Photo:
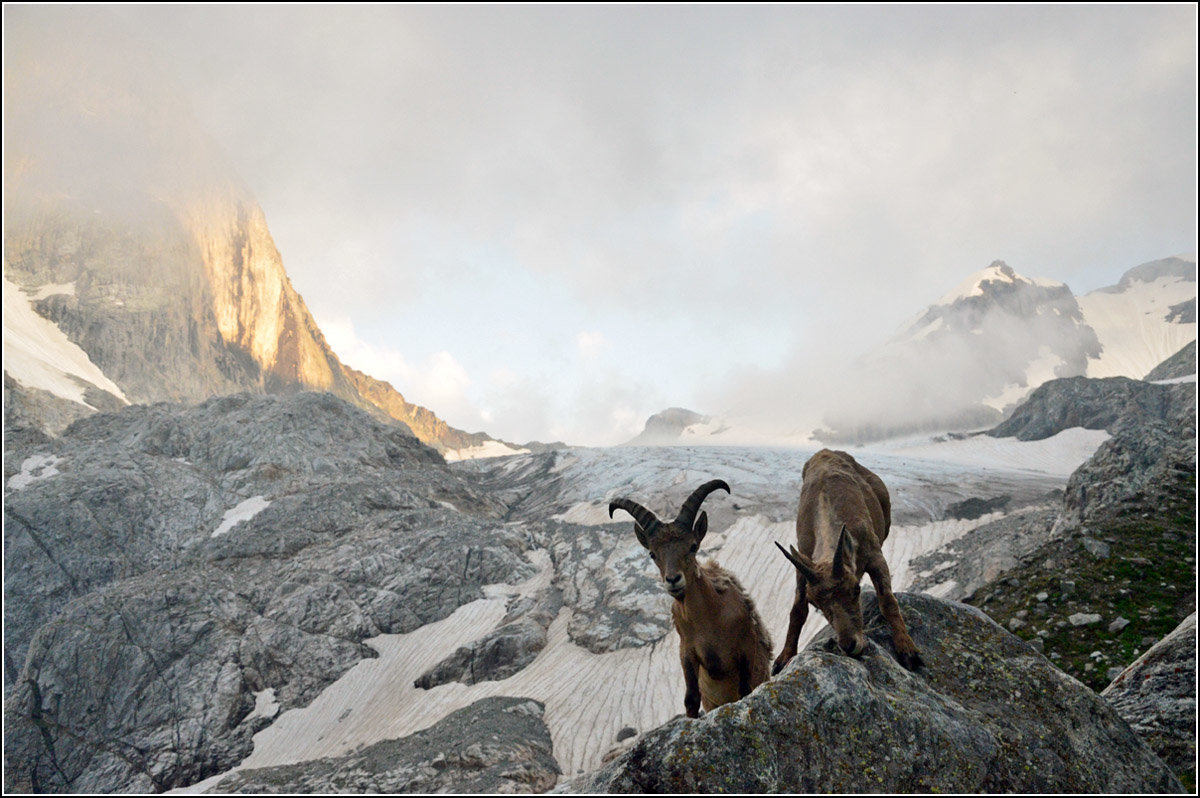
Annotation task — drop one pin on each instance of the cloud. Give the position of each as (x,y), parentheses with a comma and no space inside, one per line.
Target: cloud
(590,343)
(439,382)
(733,195)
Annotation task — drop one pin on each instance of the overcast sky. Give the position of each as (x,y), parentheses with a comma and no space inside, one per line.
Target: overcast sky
(550,222)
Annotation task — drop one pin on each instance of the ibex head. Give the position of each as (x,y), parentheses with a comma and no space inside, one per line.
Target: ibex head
(832,587)
(672,545)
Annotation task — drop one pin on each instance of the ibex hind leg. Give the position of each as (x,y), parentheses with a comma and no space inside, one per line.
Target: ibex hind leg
(906,649)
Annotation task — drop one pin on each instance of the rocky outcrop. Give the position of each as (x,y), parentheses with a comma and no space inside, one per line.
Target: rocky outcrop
(503,651)
(1156,695)
(607,579)
(1180,364)
(987,714)
(1148,466)
(496,745)
(1114,404)
(666,428)
(167,565)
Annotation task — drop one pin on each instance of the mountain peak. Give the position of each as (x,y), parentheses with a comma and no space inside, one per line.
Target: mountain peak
(997,273)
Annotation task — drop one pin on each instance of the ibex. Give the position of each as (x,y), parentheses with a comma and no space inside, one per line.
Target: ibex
(724,646)
(845,515)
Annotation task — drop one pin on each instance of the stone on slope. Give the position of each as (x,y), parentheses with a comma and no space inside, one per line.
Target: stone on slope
(987,714)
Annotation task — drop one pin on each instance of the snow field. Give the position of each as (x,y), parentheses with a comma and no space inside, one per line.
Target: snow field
(38,355)
(1133,329)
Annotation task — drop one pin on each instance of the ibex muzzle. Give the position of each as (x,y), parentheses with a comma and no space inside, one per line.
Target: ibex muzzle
(672,545)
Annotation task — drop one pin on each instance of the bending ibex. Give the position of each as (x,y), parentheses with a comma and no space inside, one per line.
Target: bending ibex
(724,646)
(845,515)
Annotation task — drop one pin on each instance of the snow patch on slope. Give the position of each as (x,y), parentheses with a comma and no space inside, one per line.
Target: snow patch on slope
(38,355)
(1058,455)
(40,466)
(485,449)
(243,512)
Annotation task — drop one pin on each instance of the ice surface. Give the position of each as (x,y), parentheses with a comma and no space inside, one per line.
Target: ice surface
(590,697)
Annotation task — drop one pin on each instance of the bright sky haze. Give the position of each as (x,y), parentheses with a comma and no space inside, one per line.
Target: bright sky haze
(549,222)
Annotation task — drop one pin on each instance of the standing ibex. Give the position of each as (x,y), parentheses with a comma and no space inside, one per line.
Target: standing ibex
(724,646)
(845,515)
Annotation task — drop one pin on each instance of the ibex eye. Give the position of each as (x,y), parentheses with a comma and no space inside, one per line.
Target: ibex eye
(695,548)
(653,557)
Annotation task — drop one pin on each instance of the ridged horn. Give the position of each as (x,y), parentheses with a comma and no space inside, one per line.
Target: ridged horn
(794,559)
(845,548)
(687,513)
(647,520)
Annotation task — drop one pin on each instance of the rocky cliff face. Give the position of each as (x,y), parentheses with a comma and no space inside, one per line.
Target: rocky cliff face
(177,290)
(1115,404)
(968,722)
(169,569)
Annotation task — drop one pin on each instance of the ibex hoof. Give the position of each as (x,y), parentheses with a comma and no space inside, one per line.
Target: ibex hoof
(779,665)
(910,659)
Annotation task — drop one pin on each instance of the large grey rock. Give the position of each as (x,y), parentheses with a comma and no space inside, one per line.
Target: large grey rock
(1180,364)
(496,745)
(1115,404)
(142,618)
(504,651)
(1149,472)
(1156,695)
(987,714)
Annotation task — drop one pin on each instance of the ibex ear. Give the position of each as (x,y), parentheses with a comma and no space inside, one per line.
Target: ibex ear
(700,527)
(642,537)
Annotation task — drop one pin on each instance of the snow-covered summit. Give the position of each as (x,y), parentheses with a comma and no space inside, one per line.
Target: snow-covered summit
(998,272)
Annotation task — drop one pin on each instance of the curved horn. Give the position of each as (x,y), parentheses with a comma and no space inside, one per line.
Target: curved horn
(687,513)
(794,559)
(845,548)
(645,519)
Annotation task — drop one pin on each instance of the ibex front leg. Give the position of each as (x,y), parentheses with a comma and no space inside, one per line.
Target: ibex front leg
(906,649)
(795,623)
(691,678)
